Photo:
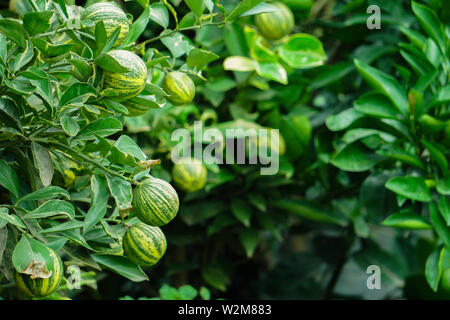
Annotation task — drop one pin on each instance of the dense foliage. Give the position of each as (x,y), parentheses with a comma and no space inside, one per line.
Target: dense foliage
(92,92)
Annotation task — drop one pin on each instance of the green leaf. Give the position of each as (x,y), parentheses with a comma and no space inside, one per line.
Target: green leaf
(187,292)
(200,57)
(215,277)
(205,293)
(331,73)
(128,146)
(197,6)
(443,186)
(109,63)
(37,22)
(11,218)
(120,190)
(239,64)
(376,105)
(436,155)
(46,193)
(169,293)
(444,208)
(24,58)
(9,114)
(160,14)
(43,163)
(410,187)
(69,125)
(250,240)
(242,211)
(343,120)
(302,51)
(99,202)
(407,220)
(433,268)
(354,158)
(52,208)
(29,250)
(403,156)
(430,23)
(178,44)
(8,178)
(439,225)
(309,211)
(387,84)
(14,31)
(271,70)
(69,225)
(138,27)
(122,266)
(100,35)
(241,8)
(102,127)
(77,94)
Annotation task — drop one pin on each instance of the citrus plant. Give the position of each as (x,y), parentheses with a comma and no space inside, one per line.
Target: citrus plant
(70,75)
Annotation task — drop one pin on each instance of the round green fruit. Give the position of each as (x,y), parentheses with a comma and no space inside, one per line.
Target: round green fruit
(180,87)
(131,83)
(41,287)
(112,17)
(144,244)
(276,24)
(155,202)
(189,175)
(135,109)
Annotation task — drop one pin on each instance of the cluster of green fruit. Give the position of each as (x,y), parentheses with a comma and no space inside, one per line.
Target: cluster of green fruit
(155,202)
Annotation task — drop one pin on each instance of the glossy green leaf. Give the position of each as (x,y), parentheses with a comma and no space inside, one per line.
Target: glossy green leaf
(376,105)
(37,22)
(410,187)
(46,193)
(29,250)
(8,178)
(102,127)
(387,84)
(122,266)
(250,240)
(43,162)
(52,208)
(433,268)
(302,51)
(407,220)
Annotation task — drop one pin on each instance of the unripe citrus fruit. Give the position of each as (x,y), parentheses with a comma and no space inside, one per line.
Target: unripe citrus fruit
(144,244)
(112,17)
(130,83)
(276,24)
(189,174)
(180,87)
(155,202)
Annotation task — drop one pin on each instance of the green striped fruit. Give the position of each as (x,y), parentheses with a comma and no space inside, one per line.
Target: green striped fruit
(41,287)
(189,174)
(20,6)
(276,24)
(112,17)
(144,244)
(135,109)
(180,87)
(155,202)
(131,83)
